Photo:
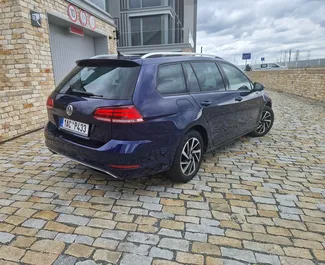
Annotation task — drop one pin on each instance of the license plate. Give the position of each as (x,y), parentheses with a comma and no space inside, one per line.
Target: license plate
(74,126)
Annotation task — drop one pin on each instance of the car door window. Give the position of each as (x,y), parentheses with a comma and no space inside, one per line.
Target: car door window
(193,84)
(170,79)
(237,79)
(208,76)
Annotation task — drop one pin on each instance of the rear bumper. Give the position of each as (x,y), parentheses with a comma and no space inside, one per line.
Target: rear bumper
(88,165)
(152,157)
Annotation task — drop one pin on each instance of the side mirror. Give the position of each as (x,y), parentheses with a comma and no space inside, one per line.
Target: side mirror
(258,87)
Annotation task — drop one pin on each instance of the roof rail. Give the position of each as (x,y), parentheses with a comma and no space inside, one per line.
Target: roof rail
(148,55)
(114,56)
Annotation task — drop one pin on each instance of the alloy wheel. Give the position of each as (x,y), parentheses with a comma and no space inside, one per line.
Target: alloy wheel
(265,122)
(190,156)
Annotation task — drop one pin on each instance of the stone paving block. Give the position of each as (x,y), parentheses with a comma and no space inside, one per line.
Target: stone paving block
(142,238)
(243,255)
(58,227)
(161,253)
(34,223)
(268,259)
(106,243)
(88,231)
(196,237)
(79,251)
(170,233)
(86,240)
(6,237)
(204,229)
(115,234)
(172,243)
(38,258)
(225,241)
(47,215)
(48,246)
(65,260)
(295,261)
(131,259)
(189,258)
(23,242)
(205,248)
(263,247)
(66,238)
(64,209)
(106,255)
(102,223)
(11,253)
(46,234)
(133,248)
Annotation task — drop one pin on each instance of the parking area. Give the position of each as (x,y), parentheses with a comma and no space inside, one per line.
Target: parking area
(257,201)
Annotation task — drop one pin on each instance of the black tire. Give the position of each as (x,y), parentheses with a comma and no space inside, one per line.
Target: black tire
(175,173)
(259,132)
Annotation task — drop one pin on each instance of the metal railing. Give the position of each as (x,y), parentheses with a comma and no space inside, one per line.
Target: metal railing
(155,37)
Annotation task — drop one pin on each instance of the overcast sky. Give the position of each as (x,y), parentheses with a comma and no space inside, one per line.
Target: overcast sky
(229,28)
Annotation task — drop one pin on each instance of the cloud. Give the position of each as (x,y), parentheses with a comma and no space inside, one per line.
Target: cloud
(266,28)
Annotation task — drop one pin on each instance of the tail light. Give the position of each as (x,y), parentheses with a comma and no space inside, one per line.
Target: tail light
(50,103)
(125,114)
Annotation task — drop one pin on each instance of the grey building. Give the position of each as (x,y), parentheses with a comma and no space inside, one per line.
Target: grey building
(155,25)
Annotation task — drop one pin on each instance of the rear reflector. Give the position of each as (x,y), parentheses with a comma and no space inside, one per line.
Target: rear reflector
(50,103)
(125,114)
(125,166)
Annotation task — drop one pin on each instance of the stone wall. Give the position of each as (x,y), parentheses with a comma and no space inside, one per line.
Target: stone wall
(309,83)
(26,71)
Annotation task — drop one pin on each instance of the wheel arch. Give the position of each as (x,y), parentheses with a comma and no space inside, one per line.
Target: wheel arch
(204,134)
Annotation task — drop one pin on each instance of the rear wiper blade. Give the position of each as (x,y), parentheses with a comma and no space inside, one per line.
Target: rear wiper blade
(85,93)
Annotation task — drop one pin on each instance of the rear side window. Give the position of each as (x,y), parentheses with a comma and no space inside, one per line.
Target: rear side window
(170,79)
(110,82)
(208,76)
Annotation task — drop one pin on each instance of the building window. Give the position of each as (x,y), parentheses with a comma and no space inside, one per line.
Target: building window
(136,36)
(147,30)
(152,30)
(100,3)
(135,4)
(149,3)
(144,3)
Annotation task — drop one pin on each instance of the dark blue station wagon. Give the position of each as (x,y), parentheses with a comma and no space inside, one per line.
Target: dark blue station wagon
(135,116)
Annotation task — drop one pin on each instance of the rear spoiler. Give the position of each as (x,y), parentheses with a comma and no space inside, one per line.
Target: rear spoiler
(108,62)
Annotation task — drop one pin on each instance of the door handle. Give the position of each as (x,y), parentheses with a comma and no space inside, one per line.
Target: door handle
(206,103)
(239,99)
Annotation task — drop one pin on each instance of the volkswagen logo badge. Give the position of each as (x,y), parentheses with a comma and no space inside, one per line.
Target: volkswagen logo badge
(69,110)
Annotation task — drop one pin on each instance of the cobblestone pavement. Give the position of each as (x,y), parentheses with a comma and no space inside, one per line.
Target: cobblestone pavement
(258,201)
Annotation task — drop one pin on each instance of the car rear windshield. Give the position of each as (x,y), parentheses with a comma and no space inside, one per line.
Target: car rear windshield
(110,82)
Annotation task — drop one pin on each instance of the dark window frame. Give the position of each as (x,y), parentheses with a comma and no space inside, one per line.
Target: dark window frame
(185,83)
(187,79)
